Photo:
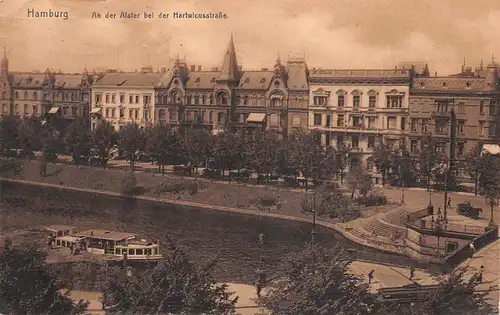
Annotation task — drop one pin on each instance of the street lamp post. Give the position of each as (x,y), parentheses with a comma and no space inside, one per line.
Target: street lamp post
(313,233)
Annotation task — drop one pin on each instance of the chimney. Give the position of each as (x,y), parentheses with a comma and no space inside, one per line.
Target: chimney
(199,68)
(193,68)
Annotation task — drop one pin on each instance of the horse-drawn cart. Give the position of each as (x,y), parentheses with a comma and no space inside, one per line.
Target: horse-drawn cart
(466,209)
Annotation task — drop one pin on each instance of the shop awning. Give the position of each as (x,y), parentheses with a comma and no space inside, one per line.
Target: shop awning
(96,110)
(256,117)
(53,110)
(492,149)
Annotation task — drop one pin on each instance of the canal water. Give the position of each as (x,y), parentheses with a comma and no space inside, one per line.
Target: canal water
(205,233)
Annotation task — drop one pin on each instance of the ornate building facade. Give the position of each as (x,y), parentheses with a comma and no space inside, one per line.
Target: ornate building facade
(47,94)
(121,98)
(359,108)
(228,96)
(469,101)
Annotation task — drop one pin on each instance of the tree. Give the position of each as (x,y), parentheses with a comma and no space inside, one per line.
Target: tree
(29,287)
(175,285)
(131,141)
(307,156)
(323,285)
(403,167)
(489,180)
(382,160)
(164,144)
(103,138)
(358,179)
(9,136)
(30,133)
(472,163)
(454,295)
(197,145)
(265,152)
(342,156)
(229,151)
(328,201)
(77,140)
(428,160)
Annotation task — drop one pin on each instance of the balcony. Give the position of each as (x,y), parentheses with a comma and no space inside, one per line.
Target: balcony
(442,114)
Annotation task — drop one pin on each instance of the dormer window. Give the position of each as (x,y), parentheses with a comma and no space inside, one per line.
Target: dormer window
(197,80)
(422,84)
(263,80)
(247,80)
(444,84)
(277,83)
(212,80)
(468,84)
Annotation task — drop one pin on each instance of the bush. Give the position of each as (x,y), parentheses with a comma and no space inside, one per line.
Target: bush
(129,185)
(192,188)
(169,186)
(14,167)
(372,200)
(267,202)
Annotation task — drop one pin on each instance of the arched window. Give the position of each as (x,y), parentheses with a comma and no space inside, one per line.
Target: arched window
(26,95)
(222,98)
(220,117)
(176,97)
(35,96)
(16,95)
(276,99)
(161,114)
(4,95)
(245,100)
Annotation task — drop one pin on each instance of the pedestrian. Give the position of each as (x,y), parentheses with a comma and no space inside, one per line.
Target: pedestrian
(480,275)
(71,249)
(412,272)
(449,202)
(472,247)
(370,276)
(259,289)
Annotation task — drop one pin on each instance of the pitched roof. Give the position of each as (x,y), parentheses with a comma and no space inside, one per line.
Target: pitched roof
(297,75)
(202,80)
(129,79)
(229,70)
(67,81)
(28,80)
(256,80)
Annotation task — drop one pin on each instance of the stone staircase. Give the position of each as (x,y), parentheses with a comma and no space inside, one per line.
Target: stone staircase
(383,230)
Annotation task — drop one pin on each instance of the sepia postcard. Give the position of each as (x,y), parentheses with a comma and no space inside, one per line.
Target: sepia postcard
(249,157)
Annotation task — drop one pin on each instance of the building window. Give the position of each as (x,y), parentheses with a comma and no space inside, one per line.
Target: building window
(340,100)
(137,99)
(113,113)
(355,141)
(245,100)
(3,95)
(220,117)
(391,122)
(211,99)
(372,101)
(403,123)
(340,140)
(131,99)
(371,142)
(394,101)
(161,114)
(65,110)
(122,98)
(369,164)
(26,95)
(26,109)
(340,121)
(122,113)
(107,98)
(317,120)
(74,111)
(461,108)
(356,121)
(35,109)
(113,98)
(460,148)
(172,115)
(414,146)
(196,100)
(136,114)
(371,122)
(130,115)
(441,126)
(440,147)
(35,96)
(425,125)
(320,100)
(492,129)
(355,100)
(414,124)
(481,107)
(460,127)
(274,119)
(296,120)
(328,120)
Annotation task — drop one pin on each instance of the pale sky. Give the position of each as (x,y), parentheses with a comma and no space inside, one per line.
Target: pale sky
(330,33)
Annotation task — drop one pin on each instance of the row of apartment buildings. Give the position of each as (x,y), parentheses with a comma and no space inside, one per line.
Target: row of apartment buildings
(357,107)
